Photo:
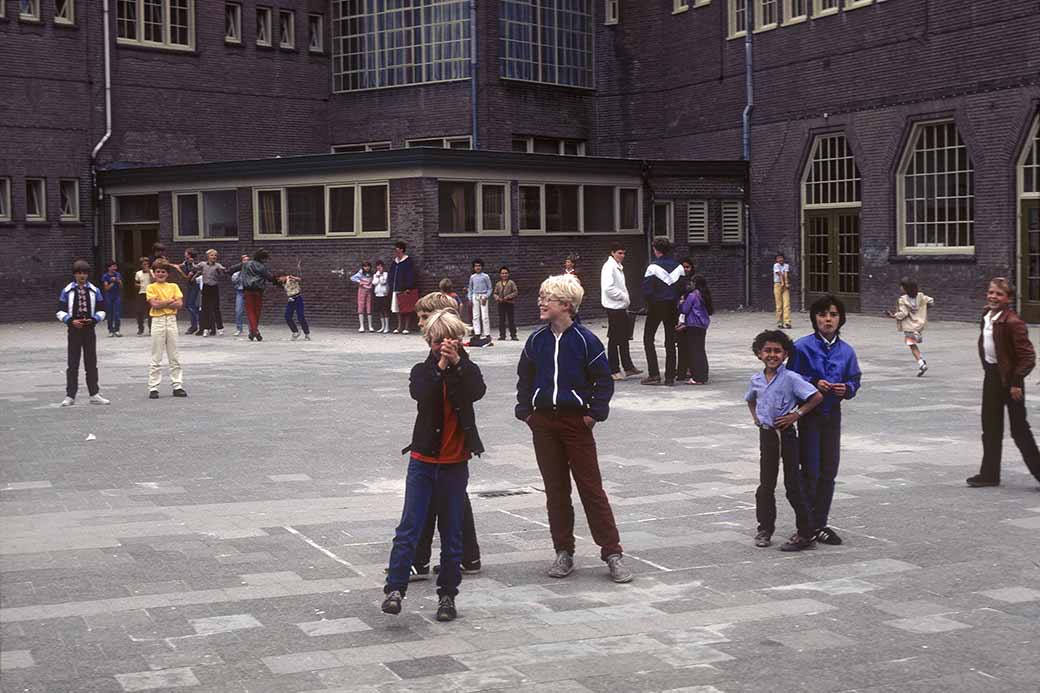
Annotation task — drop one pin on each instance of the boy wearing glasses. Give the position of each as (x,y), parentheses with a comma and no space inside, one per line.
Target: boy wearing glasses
(563,391)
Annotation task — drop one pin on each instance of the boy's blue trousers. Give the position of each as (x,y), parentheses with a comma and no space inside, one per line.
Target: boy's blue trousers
(113,307)
(819,435)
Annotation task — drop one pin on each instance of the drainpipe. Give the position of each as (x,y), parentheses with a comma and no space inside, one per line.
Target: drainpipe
(108,130)
(474,63)
(749,90)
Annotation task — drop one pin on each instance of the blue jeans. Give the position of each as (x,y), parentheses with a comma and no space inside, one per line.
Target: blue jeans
(295,305)
(113,307)
(191,304)
(445,485)
(820,442)
(240,309)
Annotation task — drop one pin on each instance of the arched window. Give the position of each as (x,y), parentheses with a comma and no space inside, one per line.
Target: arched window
(832,177)
(1030,174)
(936,184)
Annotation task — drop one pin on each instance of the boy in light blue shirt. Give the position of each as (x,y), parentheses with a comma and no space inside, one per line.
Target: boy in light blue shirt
(479,291)
(777,398)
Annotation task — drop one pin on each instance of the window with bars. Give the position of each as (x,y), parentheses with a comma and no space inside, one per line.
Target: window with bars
(832,177)
(548,41)
(156,23)
(316,33)
(937,191)
(263,26)
(35,199)
(29,10)
(65,12)
(232,22)
(286,29)
(697,221)
(1031,164)
(300,211)
(5,197)
(822,8)
(796,11)
(737,18)
(767,14)
(468,207)
(732,221)
(388,43)
(68,191)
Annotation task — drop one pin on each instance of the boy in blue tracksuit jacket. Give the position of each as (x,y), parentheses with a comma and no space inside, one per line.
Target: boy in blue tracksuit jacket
(81,306)
(563,390)
(661,291)
(829,363)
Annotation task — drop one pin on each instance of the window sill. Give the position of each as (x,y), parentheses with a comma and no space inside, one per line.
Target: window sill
(478,234)
(795,20)
(561,234)
(312,51)
(826,13)
(264,47)
(944,258)
(137,46)
(233,44)
(329,237)
(681,10)
(287,49)
(200,239)
(856,4)
(66,26)
(738,35)
(768,27)
(30,20)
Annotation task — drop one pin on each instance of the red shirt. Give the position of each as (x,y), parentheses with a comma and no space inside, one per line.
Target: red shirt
(453,441)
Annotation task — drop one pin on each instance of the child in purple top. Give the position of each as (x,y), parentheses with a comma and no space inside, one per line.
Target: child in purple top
(695,310)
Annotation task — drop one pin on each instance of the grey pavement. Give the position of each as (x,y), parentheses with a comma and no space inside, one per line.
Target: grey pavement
(235,540)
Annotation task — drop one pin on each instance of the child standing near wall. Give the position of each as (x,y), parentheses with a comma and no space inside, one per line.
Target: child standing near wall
(112,286)
(81,307)
(782,291)
(363,278)
(294,305)
(911,317)
(380,296)
(142,279)
(505,295)
(479,293)
(240,299)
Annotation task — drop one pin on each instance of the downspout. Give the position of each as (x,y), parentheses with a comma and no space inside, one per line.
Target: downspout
(474,63)
(749,90)
(97,192)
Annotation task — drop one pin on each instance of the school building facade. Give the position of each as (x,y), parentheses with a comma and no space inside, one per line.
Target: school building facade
(886,137)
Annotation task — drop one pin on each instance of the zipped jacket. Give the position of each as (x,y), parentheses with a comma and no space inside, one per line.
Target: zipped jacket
(1015,355)
(67,303)
(693,312)
(613,291)
(426,385)
(255,276)
(661,280)
(815,360)
(567,371)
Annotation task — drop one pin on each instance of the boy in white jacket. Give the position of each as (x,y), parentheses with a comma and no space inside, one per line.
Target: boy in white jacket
(912,316)
(381,297)
(615,300)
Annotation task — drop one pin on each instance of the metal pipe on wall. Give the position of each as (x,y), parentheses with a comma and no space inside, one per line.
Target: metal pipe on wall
(474,62)
(749,106)
(96,197)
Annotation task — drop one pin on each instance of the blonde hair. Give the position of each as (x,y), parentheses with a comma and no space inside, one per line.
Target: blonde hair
(434,301)
(564,288)
(214,251)
(444,324)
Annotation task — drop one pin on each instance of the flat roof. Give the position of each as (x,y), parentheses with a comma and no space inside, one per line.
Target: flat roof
(496,162)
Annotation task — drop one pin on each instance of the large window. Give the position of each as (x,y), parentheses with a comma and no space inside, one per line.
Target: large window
(211,214)
(467,207)
(68,191)
(323,210)
(158,23)
(767,14)
(572,208)
(547,41)
(737,18)
(1030,175)
(937,191)
(5,199)
(389,43)
(35,199)
(832,178)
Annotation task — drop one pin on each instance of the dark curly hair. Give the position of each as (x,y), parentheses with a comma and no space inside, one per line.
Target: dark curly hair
(776,336)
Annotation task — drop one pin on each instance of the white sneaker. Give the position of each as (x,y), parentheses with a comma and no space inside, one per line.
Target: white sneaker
(361,329)
(238,333)
(205,333)
(306,338)
(68,401)
(295,336)
(98,399)
(221,332)
(397,331)
(404,331)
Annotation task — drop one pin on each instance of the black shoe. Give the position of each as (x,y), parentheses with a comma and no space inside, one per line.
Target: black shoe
(259,337)
(799,543)
(514,338)
(828,536)
(192,330)
(392,603)
(471,568)
(153,395)
(179,392)
(446,609)
(978,481)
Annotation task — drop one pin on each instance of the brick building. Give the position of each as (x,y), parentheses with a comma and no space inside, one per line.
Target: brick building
(887,137)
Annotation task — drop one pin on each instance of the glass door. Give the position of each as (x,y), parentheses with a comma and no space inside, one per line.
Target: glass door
(1030,272)
(832,255)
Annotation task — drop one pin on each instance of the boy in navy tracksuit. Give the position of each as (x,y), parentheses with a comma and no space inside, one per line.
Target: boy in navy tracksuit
(112,284)
(661,290)
(81,306)
(564,389)
(829,363)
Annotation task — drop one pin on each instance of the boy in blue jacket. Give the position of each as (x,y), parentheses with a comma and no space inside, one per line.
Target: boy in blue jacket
(830,364)
(564,389)
(661,285)
(81,307)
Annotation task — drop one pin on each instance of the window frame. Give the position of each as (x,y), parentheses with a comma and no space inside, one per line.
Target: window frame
(69,18)
(1030,151)
(42,199)
(562,143)
(580,231)
(358,185)
(856,4)
(446,142)
(790,17)
(807,174)
(33,16)
(319,33)
(760,6)
(528,56)
(680,6)
(732,32)
(74,216)
(166,44)
(198,194)
(5,198)
(669,205)
(820,11)
(289,45)
(478,192)
(268,17)
(611,12)
(905,158)
(701,3)
(235,40)
(376,146)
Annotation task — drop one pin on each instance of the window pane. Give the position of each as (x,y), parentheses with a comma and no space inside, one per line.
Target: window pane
(546,146)
(457,207)
(833,174)
(188,215)
(520,144)
(34,198)
(233,22)
(375,217)
(5,198)
(599,208)
(286,30)
(315,37)
(429,144)
(263,27)
(546,41)
(220,210)
(530,207)
(137,208)
(126,19)
(269,212)
(561,208)
(341,210)
(306,211)
(662,219)
(493,201)
(629,200)
(348,148)
(69,191)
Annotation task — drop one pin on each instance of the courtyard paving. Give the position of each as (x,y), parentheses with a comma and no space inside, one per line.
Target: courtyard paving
(235,540)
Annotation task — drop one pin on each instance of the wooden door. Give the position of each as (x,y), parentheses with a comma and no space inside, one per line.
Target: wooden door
(832,255)
(1030,271)
(133,241)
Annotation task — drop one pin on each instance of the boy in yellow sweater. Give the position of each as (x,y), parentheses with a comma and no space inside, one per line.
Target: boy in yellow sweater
(164,300)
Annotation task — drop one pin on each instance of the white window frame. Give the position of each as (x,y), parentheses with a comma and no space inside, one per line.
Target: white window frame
(611,12)
(478,191)
(42,216)
(732,222)
(380,146)
(731,18)
(235,38)
(283,43)
(198,194)
(74,199)
(820,11)
(560,146)
(311,33)
(5,198)
(266,16)
(680,6)
(580,231)
(856,4)
(165,43)
(697,216)
(1031,150)
(522,50)
(69,17)
(358,185)
(3,9)
(904,162)
(760,6)
(33,15)
(446,142)
(807,175)
(701,3)
(669,217)
(790,17)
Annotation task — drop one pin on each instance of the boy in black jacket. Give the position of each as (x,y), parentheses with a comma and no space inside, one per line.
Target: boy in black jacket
(444,386)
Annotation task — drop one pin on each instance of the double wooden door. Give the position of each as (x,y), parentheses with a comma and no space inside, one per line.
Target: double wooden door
(832,255)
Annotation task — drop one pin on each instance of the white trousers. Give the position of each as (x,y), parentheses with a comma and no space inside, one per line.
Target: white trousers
(164,342)
(481,319)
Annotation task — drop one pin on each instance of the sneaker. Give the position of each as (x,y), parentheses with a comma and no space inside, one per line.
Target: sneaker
(98,399)
(205,333)
(922,368)
(68,401)
(252,336)
(118,334)
(221,332)
(562,566)
(650,380)
(633,371)
(446,609)
(295,336)
(153,394)
(619,572)
(763,539)
(415,573)
(191,330)
(111,334)
(179,392)
(471,568)
(979,481)
(618,376)
(404,331)
(798,543)
(306,338)
(238,333)
(259,337)
(397,331)
(828,536)
(392,603)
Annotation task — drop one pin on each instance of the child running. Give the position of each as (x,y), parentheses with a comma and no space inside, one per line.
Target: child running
(165,299)
(777,398)
(563,390)
(81,307)
(363,278)
(112,286)
(444,437)
(911,316)
(829,363)
(380,296)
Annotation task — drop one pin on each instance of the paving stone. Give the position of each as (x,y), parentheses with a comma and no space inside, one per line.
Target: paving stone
(425,666)
(223,624)
(1013,595)
(16,659)
(334,626)
(810,640)
(302,661)
(927,624)
(350,677)
(149,680)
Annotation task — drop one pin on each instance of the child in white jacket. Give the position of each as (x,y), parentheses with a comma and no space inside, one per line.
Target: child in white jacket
(912,315)
(381,296)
